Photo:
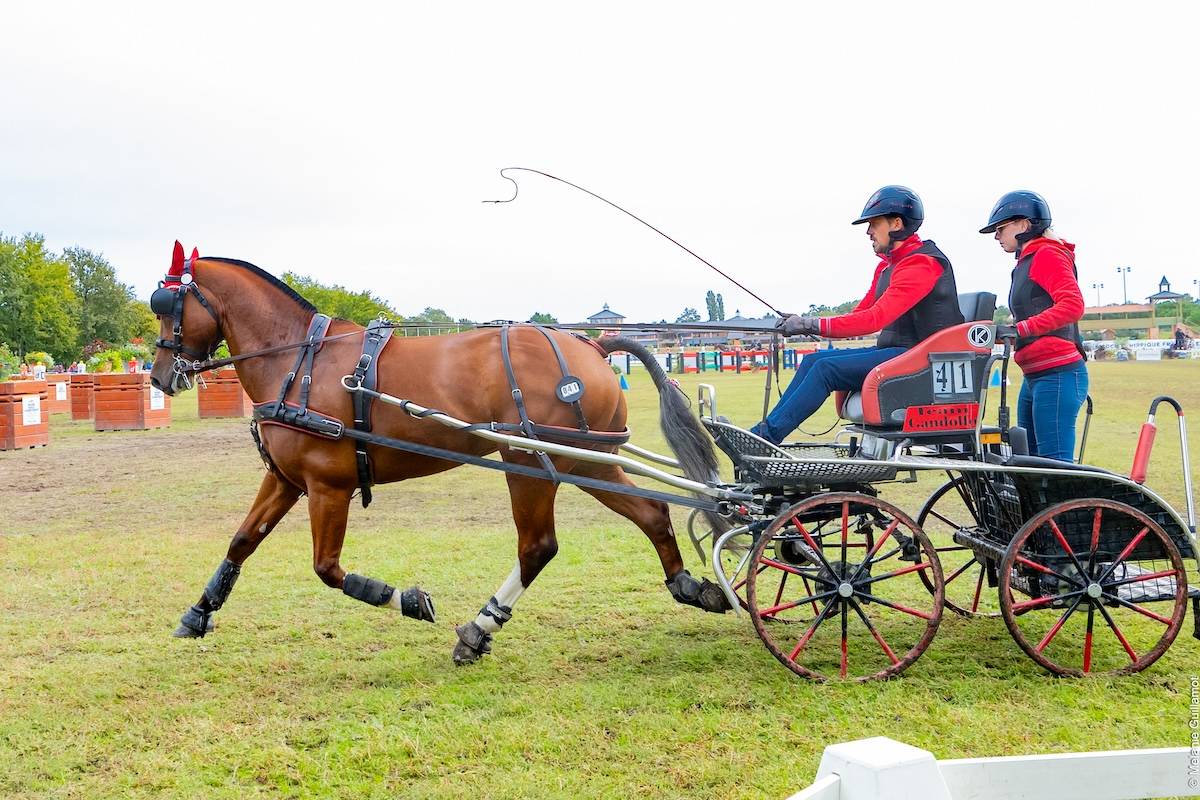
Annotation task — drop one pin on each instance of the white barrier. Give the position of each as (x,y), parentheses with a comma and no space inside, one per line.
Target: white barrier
(884,769)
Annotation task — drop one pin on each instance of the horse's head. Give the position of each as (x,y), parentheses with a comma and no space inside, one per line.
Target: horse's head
(189,327)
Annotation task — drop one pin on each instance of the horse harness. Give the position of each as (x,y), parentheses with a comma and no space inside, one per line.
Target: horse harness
(298,416)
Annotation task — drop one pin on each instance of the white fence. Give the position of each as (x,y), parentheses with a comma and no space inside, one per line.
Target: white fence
(884,769)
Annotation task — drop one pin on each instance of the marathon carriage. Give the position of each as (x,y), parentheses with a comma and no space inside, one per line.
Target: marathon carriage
(1087,567)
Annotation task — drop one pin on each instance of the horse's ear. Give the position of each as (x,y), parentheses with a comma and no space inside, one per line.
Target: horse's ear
(195,253)
(177,260)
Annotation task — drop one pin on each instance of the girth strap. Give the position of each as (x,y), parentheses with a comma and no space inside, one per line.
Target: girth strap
(366,373)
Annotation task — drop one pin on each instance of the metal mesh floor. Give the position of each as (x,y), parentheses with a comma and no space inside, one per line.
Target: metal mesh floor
(801,463)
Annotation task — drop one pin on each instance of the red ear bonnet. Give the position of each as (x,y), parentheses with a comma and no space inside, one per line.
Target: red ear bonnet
(176,269)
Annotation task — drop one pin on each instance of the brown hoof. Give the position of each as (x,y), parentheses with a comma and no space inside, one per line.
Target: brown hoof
(473,644)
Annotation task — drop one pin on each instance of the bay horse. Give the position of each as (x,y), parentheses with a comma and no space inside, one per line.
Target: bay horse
(206,300)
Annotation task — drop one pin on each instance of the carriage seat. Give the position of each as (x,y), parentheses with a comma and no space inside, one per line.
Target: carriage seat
(933,386)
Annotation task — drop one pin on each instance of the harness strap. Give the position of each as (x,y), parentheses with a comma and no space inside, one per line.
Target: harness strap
(366,374)
(562,366)
(316,330)
(519,400)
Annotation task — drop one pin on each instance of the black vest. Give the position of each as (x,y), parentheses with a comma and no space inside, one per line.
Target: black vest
(1027,299)
(934,312)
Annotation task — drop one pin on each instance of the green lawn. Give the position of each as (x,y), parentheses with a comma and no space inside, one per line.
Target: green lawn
(601,686)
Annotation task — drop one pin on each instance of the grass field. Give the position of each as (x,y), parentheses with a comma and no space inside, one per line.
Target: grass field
(601,686)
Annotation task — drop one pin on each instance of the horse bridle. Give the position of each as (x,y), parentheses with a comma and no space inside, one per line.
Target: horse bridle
(167,301)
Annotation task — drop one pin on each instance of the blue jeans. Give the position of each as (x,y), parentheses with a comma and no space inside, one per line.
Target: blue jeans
(1047,408)
(819,375)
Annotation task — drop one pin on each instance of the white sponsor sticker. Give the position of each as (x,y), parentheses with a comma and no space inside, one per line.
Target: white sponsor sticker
(60,391)
(31,410)
(158,400)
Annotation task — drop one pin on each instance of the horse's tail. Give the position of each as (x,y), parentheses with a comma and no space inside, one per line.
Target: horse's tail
(690,442)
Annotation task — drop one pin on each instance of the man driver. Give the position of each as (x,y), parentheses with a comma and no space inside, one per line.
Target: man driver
(912,296)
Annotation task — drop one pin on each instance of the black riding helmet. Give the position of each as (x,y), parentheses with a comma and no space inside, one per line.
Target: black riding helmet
(1020,204)
(899,201)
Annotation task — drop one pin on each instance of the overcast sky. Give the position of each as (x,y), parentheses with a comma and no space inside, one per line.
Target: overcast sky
(354,143)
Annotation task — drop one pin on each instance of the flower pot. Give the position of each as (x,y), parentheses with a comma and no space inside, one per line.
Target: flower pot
(58,393)
(24,420)
(82,403)
(221,395)
(127,402)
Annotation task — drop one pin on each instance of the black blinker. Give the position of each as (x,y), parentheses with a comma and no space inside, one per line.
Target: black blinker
(162,302)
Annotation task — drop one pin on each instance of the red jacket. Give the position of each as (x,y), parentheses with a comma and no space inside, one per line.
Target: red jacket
(913,277)
(1053,269)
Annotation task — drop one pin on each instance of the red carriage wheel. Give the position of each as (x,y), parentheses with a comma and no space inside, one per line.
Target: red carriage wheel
(1091,587)
(834,592)
(970,590)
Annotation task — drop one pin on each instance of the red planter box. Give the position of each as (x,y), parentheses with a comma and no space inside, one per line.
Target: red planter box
(58,393)
(221,395)
(24,420)
(126,402)
(82,403)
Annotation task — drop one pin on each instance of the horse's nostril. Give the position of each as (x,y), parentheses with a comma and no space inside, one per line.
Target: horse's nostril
(154,382)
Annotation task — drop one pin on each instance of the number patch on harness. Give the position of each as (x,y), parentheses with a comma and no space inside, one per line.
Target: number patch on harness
(569,389)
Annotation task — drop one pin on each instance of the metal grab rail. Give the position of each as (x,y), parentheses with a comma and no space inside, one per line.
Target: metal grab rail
(1183,450)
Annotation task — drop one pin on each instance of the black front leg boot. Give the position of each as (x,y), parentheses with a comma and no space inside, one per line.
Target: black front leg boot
(702,593)
(197,620)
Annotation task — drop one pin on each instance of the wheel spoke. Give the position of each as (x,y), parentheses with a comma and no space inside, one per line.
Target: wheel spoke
(1087,639)
(978,589)
(1021,608)
(961,569)
(845,539)
(845,650)
(809,592)
(1117,631)
(946,520)
(1058,534)
(878,637)
(742,582)
(1042,568)
(1045,642)
(870,559)
(770,562)
(1135,607)
(782,582)
(773,610)
(896,606)
(1095,546)
(896,573)
(808,634)
(1124,553)
(815,547)
(1147,576)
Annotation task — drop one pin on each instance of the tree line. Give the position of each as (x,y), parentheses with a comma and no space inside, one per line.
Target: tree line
(71,305)
(65,303)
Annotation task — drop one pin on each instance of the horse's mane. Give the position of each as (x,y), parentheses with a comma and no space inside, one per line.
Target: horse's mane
(269,278)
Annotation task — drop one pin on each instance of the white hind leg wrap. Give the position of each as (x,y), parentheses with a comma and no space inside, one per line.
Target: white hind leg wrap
(499,609)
